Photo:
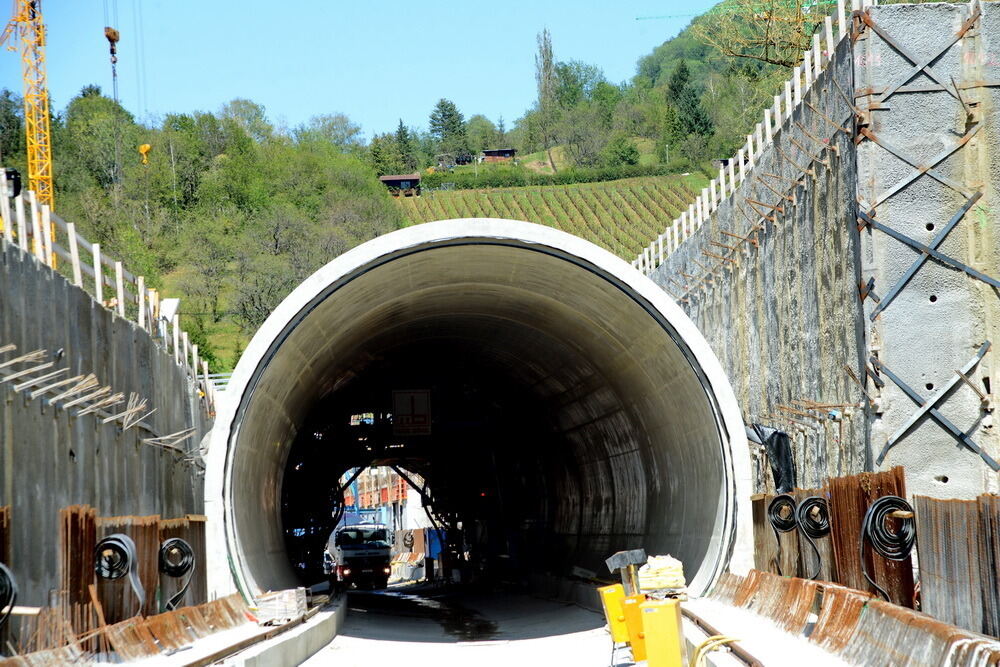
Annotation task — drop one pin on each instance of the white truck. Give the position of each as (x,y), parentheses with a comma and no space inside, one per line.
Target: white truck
(360,555)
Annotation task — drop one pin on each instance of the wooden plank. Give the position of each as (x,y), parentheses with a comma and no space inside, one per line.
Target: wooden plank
(48,234)
(22,229)
(36,227)
(8,222)
(177,338)
(120,289)
(140,288)
(74,254)
(98,275)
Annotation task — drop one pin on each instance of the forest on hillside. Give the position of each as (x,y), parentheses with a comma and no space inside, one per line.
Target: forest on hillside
(231,212)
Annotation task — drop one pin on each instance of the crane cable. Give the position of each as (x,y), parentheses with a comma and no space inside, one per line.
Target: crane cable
(177,560)
(890,544)
(8,593)
(114,557)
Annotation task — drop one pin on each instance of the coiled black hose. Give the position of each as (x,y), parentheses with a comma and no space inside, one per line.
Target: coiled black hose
(781,515)
(890,544)
(114,557)
(177,560)
(813,519)
(8,593)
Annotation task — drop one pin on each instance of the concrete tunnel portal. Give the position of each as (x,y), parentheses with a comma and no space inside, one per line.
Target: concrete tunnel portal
(576,410)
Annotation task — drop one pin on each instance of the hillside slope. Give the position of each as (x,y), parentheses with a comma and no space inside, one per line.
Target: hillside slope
(620,216)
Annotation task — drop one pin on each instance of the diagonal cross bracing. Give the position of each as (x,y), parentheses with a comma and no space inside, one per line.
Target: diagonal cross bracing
(919,262)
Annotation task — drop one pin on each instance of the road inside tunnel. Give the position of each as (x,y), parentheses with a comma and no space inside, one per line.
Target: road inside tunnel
(574,409)
(413,624)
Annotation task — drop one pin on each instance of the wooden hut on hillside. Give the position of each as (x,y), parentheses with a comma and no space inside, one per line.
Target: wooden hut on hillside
(406,185)
(499,154)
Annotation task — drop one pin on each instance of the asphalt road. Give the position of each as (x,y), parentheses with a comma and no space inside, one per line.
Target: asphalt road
(460,627)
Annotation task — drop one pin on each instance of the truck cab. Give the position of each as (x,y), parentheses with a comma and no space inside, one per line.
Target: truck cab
(360,555)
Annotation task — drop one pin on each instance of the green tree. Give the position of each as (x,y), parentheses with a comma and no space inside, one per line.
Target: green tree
(250,116)
(575,82)
(447,125)
(405,143)
(582,135)
(482,133)
(12,141)
(678,81)
(774,33)
(335,129)
(545,78)
(620,150)
(607,97)
(385,155)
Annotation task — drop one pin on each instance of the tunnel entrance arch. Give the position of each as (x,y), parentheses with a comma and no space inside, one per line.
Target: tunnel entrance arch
(642,442)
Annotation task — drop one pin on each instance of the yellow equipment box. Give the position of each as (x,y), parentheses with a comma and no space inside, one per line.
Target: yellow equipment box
(611,600)
(663,636)
(633,622)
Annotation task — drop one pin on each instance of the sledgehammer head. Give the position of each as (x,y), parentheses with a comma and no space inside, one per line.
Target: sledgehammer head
(622,559)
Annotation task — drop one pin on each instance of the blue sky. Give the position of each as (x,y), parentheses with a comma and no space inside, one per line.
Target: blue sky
(376,62)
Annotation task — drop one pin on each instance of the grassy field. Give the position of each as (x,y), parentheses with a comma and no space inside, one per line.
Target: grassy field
(620,216)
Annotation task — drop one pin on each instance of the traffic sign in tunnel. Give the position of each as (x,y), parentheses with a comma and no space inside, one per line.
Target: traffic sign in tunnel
(574,408)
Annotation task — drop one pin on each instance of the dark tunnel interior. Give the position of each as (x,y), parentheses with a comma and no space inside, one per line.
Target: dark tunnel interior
(488,461)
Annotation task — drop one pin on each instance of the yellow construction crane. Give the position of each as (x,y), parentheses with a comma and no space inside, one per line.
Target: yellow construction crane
(27,26)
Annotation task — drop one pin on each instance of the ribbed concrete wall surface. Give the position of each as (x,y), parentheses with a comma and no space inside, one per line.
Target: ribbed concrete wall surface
(50,458)
(783,313)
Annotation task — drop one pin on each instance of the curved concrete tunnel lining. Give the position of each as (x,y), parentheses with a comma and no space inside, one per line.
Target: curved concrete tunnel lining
(524,271)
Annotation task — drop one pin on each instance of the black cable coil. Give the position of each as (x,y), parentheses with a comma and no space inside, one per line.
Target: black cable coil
(8,593)
(177,560)
(890,544)
(176,557)
(781,522)
(813,519)
(114,557)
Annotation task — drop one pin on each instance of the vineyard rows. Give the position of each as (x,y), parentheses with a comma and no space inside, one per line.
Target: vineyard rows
(620,216)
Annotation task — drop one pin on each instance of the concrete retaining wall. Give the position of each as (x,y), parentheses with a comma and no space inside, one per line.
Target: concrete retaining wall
(50,458)
(942,316)
(787,313)
(783,315)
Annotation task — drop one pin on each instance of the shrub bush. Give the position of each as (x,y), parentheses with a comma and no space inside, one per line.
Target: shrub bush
(513,177)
